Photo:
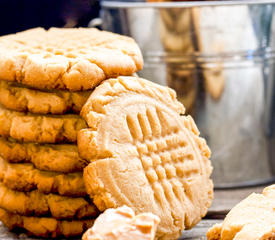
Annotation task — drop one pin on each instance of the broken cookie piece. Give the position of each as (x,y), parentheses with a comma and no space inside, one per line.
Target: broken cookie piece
(253,219)
(122,224)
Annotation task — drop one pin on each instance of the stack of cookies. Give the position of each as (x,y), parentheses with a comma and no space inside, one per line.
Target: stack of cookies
(46,78)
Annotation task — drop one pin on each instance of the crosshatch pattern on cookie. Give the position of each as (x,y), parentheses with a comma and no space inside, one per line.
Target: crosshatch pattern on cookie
(158,149)
(167,153)
(74,59)
(166,157)
(115,88)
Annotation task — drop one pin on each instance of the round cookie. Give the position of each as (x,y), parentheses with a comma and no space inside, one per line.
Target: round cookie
(24,177)
(40,128)
(253,218)
(45,227)
(37,204)
(48,157)
(144,154)
(19,98)
(74,59)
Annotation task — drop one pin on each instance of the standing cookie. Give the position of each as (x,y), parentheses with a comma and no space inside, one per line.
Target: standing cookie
(145,154)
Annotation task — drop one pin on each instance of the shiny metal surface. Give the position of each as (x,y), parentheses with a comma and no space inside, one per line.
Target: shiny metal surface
(179,4)
(219,56)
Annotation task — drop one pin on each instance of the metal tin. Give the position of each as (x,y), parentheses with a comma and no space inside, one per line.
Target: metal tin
(219,56)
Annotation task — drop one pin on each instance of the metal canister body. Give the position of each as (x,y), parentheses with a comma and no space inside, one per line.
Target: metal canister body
(220,60)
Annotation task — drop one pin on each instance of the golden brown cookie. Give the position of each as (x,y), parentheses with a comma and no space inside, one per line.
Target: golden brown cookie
(40,128)
(24,177)
(253,218)
(19,98)
(48,157)
(74,59)
(144,154)
(36,204)
(45,227)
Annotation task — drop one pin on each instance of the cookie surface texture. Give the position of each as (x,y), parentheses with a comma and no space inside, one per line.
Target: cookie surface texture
(74,59)
(144,154)
(35,203)
(45,227)
(40,128)
(48,157)
(253,218)
(25,177)
(19,98)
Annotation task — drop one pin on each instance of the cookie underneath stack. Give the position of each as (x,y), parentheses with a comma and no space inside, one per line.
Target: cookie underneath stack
(45,79)
(40,170)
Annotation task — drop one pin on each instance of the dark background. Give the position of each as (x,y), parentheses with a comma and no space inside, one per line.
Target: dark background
(18,15)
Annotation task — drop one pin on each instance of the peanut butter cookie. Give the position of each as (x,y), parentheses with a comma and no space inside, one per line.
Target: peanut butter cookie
(36,204)
(45,227)
(145,154)
(19,98)
(74,59)
(48,157)
(40,128)
(24,177)
(253,218)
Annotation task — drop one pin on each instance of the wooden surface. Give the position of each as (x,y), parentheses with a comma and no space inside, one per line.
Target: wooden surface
(224,200)
(198,232)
